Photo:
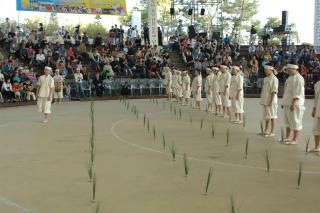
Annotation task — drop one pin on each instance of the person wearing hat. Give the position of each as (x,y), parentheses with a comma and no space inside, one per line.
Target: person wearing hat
(168,80)
(293,104)
(78,78)
(58,87)
(208,88)
(216,91)
(45,87)
(186,81)
(269,101)
(178,87)
(196,89)
(174,83)
(316,116)
(236,94)
(225,90)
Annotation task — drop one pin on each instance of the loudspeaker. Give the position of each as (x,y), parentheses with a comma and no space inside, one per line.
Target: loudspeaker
(190,12)
(192,32)
(172,11)
(284,18)
(202,11)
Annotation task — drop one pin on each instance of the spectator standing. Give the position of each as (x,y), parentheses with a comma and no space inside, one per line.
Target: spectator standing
(58,87)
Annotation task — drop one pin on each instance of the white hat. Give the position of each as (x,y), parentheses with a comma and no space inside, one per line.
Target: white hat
(178,72)
(215,68)
(223,67)
(208,70)
(48,68)
(268,67)
(236,68)
(292,66)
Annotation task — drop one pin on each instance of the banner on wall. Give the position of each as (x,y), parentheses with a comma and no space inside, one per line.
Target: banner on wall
(153,22)
(95,7)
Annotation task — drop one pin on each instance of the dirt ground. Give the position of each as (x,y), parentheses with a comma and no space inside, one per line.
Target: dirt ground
(44,166)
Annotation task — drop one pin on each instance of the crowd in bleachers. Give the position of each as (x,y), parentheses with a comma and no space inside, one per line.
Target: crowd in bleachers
(24,54)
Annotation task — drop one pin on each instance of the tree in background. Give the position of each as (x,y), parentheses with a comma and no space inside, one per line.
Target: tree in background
(93,29)
(31,23)
(238,15)
(53,24)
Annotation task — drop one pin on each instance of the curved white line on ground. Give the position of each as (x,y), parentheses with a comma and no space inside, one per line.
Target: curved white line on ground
(14,205)
(116,135)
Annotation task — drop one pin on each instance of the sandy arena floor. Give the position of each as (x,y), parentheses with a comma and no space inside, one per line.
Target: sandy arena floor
(44,166)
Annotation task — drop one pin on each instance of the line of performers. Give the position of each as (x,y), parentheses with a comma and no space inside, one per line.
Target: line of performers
(224,89)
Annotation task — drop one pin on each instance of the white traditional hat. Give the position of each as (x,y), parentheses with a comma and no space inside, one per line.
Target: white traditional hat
(48,68)
(236,68)
(184,72)
(223,67)
(268,67)
(208,70)
(215,68)
(292,66)
(178,72)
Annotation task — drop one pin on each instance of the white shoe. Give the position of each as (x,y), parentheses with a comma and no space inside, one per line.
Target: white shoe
(291,143)
(45,121)
(285,140)
(314,150)
(269,135)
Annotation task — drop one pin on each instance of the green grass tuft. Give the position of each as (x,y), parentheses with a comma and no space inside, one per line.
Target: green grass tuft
(173,152)
(244,121)
(90,169)
(212,131)
(201,124)
(307,145)
(282,134)
(148,125)
(154,133)
(186,165)
(261,127)
(232,204)
(228,137)
(180,113)
(300,175)
(94,185)
(163,141)
(98,208)
(267,158)
(144,119)
(208,181)
(247,148)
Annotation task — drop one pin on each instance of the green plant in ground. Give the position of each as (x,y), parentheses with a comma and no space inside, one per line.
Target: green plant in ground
(232,204)
(94,185)
(307,145)
(180,113)
(90,169)
(148,125)
(300,175)
(186,164)
(163,141)
(208,181)
(98,208)
(247,148)
(201,124)
(228,137)
(282,134)
(267,158)
(244,121)
(154,133)
(144,119)
(173,152)
(261,127)
(212,131)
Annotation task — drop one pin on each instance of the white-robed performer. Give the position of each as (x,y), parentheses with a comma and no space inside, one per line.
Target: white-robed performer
(216,95)
(208,88)
(179,87)
(293,104)
(225,90)
(316,117)
(269,101)
(174,83)
(186,82)
(168,80)
(45,86)
(236,95)
(196,89)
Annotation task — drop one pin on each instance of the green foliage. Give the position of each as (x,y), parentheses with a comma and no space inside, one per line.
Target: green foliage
(94,28)
(208,180)
(53,24)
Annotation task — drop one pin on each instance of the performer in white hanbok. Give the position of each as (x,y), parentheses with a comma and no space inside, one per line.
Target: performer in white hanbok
(269,101)
(45,86)
(174,83)
(316,116)
(225,90)
(236,95)
(196,89)
(208,88)
(186,82)
(293,104)
(216,96)
(168,80)
(179,86)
